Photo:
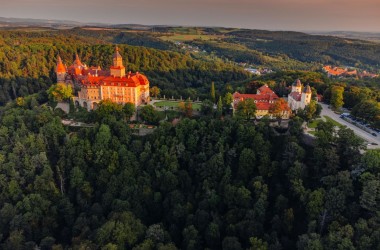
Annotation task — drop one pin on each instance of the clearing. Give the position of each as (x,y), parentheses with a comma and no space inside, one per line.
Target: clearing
(170,104)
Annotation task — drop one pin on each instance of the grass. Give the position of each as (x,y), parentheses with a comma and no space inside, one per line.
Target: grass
(333,121)
(167,104)
(196,106)
(313,124)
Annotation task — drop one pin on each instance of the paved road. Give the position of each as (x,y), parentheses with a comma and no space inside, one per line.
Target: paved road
(359,132)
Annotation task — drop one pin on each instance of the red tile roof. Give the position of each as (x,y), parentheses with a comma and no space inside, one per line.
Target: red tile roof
(263,105)
(131,80)
(262,100)
(95,76)
(336,71)
(296,96)
(60,67)
(265,90)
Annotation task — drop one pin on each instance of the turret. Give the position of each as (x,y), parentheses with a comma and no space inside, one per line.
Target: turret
(297,86)
(60,71)
(117,58)
(117,69)
(77,61)
(306,96)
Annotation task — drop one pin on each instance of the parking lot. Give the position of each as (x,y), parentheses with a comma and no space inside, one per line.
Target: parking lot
(371,136)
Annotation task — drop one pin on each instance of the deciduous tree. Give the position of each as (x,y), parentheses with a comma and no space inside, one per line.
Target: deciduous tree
(155,91)
(246,108)
(129,110)
(60,92)
(336,100)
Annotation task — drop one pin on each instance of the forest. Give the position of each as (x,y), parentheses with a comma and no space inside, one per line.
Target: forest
(205,182)
(284,50)
(202,183)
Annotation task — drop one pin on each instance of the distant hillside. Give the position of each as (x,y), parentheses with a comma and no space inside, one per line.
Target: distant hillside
(367,36)
(311,48)
(278,50)
(30,22)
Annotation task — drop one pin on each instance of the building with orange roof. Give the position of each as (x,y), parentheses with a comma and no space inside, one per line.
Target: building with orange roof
(339,72)
(264,99)
(299,96)
(95,84)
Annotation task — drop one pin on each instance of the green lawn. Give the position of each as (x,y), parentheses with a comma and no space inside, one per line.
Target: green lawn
(196,106)
(166,103)
(333,121)
(313,124)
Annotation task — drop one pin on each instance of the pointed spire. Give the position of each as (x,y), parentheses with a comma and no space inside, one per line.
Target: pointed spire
(60,67)
(59,61)
(117,58)
(297,83)
(117,54)
(77,61)
(307,89)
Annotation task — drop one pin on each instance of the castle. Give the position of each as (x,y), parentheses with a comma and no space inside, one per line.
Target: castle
(299,96)
(264,99)
(95,84)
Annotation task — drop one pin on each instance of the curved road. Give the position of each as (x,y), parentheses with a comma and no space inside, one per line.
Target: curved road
(358,131)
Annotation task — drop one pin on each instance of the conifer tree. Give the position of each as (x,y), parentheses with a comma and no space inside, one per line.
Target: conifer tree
(212,92)
(220,105)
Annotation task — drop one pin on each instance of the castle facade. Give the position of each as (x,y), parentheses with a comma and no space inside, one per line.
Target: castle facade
(300,96)
(264,99)
(95,85)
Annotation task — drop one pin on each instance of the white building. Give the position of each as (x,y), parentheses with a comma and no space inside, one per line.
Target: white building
(253,71)
(300,96)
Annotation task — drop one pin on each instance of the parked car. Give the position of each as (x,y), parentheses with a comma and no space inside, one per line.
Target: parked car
(374,134)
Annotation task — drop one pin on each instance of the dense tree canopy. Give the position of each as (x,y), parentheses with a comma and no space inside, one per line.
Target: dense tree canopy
(205,183)
(202,183)
(28,60)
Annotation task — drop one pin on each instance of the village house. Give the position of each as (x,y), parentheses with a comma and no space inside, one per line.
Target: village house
(339,72)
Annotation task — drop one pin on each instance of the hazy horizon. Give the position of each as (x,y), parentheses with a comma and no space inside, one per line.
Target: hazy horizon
(297,15)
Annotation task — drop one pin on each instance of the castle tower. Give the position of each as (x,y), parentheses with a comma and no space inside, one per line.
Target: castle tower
(306,96)
(77,61)
(117,69)
(60,71)
(117,59)
(297,86)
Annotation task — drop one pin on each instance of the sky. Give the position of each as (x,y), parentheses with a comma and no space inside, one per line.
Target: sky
(303,15)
